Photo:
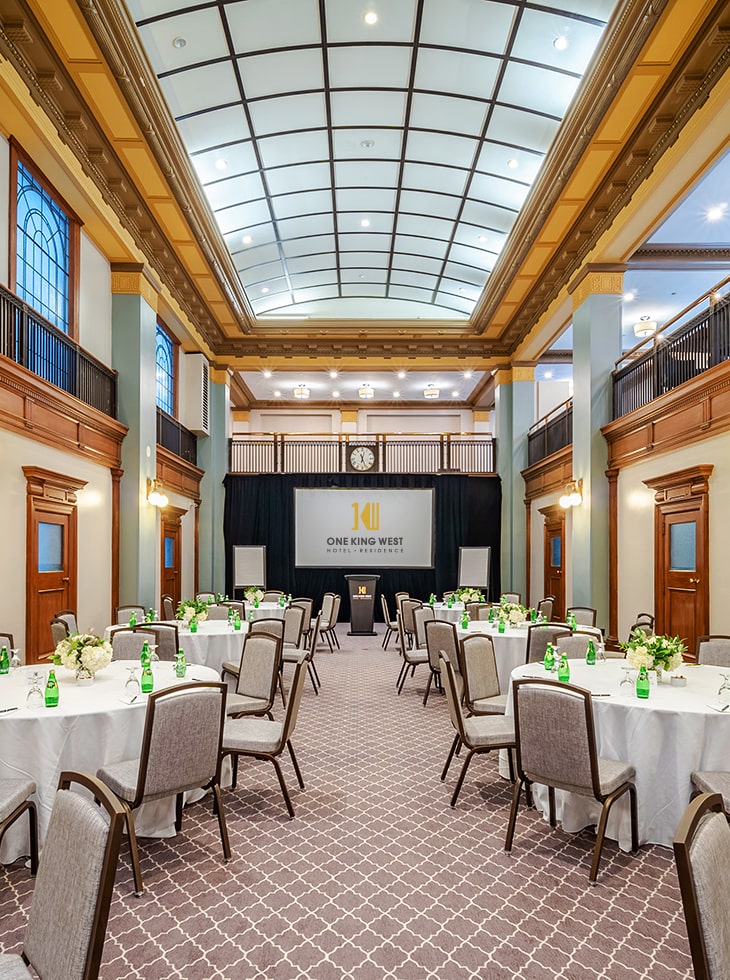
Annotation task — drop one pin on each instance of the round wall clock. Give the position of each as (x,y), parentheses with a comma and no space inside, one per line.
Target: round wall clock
(361,458)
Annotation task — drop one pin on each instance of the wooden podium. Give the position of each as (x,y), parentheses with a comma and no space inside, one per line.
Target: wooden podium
(362,604)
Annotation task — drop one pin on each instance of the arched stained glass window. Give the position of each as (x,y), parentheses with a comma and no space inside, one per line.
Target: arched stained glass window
(165,364)
(43,251)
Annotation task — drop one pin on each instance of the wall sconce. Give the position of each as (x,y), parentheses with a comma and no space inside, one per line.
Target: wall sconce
(155,494)
(573,496)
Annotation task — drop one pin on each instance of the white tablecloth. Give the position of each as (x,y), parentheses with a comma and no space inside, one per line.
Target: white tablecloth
(214,643)
(266,610)
(666,738)
(510,648)
(453,614)
(90,727)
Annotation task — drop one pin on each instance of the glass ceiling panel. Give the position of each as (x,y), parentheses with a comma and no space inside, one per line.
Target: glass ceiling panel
(427,181)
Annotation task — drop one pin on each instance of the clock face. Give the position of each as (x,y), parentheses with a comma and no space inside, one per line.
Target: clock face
(362,458)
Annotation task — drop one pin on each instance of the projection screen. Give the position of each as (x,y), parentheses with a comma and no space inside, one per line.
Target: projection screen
(364,528)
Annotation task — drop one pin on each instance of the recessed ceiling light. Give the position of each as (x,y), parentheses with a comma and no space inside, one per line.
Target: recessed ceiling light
(365,223)
(629,297)
(363,276)
(370,17)
(396,394)
(267,373)
(717,212)
(548,375)
(367,144)
(467,374)
(277,394)
(454,394)
(401,374)
(333,373)
(247,239)
(513,164)
(221,164)
(335,394)
(179,42)
(481,238)
(560,43)
(264,289)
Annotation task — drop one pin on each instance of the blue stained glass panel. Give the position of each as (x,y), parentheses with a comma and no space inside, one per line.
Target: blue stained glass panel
(164,361)
(169,552)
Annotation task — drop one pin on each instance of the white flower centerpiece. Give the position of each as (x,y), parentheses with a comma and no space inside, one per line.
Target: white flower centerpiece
(192,611)
(468,595)
(511,613)
(657,653)
(84,654)
(253,595)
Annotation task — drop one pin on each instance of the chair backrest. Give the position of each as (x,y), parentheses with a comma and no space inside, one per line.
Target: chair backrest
(555,735)
(538,637)
(69,617)
(67,926)
(307,605)
(59,631)
(386,612)
(402,639)
(334,616)
(122,614)
(218,610)
(168,607)
(512,596)
(478,667)
(259,670)
(6,640)
(421,616)
(575,645)
(453,700)
(645,627)
(326,611)
(314,635)
(441,637)
(714,649)
(398,599)
(584,615)
(645,617)
(167,638)
(407,608)
(293,625)
(478,610)
(273,626)
(127,641)
(205,596)
(182,739)
(272,595)
(545,607)
(702,853)
(238,606)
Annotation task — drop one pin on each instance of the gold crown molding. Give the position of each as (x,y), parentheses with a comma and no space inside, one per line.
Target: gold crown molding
(134,279)
(433,349)
(687,86)
(32,56)
(289,405)
(681,257)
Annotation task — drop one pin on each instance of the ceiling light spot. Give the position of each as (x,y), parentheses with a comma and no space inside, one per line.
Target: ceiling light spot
(247,239)
(264,289)
(221,164)
(454,394)
(401,374)
(365,223)
(481,238)
(548,375)
(277,394)
(367,144)
(179,42)
(267,373)
(370,17)
(560,43)
(716,213)
(335,394)
(396,394)
(333,373)
(629,297)
(467,374)
(363,276)
(513,164)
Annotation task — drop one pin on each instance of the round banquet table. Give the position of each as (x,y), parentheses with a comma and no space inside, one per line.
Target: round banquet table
(510,647)
(214,643)
(91,726)
(675,732)
(265,610)
(452,614)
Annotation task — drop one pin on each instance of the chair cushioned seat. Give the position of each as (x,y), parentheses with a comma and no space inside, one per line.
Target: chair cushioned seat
(713,782)
(251,735)
(12,967)
(292,654)
(495,705)
(417,655)
(121,778)
(13,792)
(611,775)
(236,703)
(487,731)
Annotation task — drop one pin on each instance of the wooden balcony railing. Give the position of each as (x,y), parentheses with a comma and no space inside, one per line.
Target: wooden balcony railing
(417,453)
(176,438)
(34,343)
(552,432)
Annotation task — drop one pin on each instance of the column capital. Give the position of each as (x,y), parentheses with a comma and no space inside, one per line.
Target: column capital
(219,376)
(135,279)
(515,372)
(604,278)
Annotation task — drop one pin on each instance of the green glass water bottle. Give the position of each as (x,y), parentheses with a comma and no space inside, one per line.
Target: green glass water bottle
(133,618)
(501,627)
(564,669)
(450,602)
(642,683)
(549,658)
(237,621)
(4,661)
(51,692)
(591,654)
(431,599)
(465,620)
(250,618)
(491,614)
(193,625)
(148,679)
(144,657)
(533,615)
(181,664)
(571,621)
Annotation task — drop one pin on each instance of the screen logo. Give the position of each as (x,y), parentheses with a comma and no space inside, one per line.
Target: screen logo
(367,517)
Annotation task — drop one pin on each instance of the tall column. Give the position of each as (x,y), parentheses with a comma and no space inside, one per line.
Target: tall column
(134,321)
(514,414)
(213,458)
(596,347)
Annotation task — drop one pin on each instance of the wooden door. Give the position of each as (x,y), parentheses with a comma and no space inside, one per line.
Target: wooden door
(554,561)
(681,559)
(51,556)
(171,558)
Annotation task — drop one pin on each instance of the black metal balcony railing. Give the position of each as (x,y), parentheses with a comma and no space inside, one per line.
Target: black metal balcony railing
(552,432)
(34,343)
(280,453)
(693,348)
(173,436)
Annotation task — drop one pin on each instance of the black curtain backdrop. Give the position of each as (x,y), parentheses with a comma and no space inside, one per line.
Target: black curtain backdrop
(259,510)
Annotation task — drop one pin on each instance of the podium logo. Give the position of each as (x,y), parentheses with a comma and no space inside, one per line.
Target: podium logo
(367,517)
(362,590)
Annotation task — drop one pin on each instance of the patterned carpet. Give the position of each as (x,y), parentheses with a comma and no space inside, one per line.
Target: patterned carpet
(377,877)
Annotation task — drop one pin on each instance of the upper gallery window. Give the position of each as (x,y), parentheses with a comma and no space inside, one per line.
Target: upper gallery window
(165,365)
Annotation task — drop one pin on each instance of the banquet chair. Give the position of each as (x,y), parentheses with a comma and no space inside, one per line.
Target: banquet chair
(272,595)
(261,738)
(218,611)
(293,625)
(293,656)
(702,856)
(258,675)
(274,626)
(556,746)
(205,596)
(399,597)
(307,605)
(644,626)
(127,641)
(391,626)
(477,733)
(575,645)
(122,614)
(14,802)
(421,616)
(325,612)
(478,668)
(166,637)
(238,606)
(584,615)
(441,638)
(645,617)
(180,752)
(168,607)
(407,608)
(713,782)
(411,658)
(545,607)
(59,631)
(538,637)
(6,640)
(66,927)
(478,611)
(69,618)
(512,597)
(328,630)
(714,649)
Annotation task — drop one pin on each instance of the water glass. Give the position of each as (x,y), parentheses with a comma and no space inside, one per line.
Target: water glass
(131,685)
(34,697)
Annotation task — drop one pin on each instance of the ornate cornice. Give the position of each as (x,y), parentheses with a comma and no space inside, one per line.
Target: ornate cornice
(681,257)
